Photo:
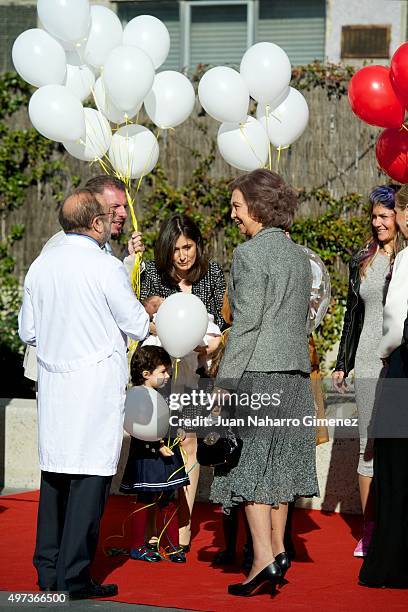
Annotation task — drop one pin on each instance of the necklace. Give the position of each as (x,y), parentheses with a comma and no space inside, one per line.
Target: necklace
(387,253)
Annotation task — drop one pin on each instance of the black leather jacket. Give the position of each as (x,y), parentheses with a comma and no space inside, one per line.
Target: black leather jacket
(353,319)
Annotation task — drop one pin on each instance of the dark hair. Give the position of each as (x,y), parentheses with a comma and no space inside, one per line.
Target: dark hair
(147,358)
(384,195)
(269,199)
(170,231)
(78,218)
(98,184)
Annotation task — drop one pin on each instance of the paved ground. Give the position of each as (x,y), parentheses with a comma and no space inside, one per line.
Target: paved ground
(74,606)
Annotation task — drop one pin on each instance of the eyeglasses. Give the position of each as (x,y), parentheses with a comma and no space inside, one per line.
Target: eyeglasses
(111,213)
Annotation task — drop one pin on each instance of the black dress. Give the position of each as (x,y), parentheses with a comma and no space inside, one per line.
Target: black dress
(386,564)
(147,471)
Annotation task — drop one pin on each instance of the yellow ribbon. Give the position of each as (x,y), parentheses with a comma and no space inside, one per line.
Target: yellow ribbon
(279,149)
(245,137)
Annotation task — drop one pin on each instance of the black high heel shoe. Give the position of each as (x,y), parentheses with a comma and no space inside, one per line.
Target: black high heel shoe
(284,562)
(271,574)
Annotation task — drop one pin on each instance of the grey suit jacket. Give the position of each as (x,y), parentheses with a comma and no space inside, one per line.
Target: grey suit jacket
(269,295)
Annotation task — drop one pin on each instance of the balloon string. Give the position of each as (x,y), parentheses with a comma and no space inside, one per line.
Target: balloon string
(267,108)
(192,467)
(404,127)
(121,535)
(244,136)
(176,368)
(153,504)
(147,163)
(278,158)
(166,554)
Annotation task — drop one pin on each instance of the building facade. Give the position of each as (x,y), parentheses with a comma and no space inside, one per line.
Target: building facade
(217,32)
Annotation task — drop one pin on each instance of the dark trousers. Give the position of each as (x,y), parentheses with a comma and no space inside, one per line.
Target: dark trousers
(69,515)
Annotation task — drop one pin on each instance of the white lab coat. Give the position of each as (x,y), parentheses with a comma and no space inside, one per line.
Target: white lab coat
(77,307)
(396,305)
(30,355)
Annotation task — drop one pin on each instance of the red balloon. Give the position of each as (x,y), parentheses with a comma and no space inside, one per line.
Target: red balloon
(373,98)
(392,154)
(399,73)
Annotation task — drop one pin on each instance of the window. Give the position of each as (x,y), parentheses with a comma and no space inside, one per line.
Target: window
(168,12)
(298,26)
(365,41)
(216,32)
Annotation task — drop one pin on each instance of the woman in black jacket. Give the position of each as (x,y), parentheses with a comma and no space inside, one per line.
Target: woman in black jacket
(369,273)
(180,264)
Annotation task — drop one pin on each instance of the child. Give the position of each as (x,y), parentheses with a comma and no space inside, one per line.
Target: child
(187,374)
(154,471)
(195,364)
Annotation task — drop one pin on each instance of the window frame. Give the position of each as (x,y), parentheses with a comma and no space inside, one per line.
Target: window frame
(185,14)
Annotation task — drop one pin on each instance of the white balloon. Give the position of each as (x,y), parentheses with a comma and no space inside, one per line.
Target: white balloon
(56,113)
(38,58)
(181,323)
(171,100)
(69,20)
(128,76)
(107,107)
(98,136)
(149,34)
(224,95)
(105,34)
(134,151)
(80,80)
(266,70)
(244,146)
(146,414)
(287,122)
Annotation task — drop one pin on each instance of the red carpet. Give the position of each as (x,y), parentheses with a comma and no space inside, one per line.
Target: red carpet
(323,578)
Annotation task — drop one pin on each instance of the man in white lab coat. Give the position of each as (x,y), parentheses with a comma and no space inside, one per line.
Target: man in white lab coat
(111,192)
(77,309)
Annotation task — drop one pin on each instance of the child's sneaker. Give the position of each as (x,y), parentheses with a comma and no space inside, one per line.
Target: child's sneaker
(176,555)
(143,553)
(361,549)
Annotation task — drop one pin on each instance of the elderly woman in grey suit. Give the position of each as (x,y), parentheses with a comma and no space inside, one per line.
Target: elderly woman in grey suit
(267,353)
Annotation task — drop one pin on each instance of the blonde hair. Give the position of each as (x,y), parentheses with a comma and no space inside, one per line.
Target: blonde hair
(218,354)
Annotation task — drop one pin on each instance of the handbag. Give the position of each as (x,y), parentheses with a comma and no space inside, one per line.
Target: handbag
(214,450)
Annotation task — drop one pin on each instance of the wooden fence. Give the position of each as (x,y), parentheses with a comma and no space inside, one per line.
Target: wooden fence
(336,152)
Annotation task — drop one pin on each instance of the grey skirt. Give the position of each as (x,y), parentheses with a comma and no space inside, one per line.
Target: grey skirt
(277,462)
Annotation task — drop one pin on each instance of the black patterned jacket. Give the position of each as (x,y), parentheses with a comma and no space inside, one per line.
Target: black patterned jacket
(210,289)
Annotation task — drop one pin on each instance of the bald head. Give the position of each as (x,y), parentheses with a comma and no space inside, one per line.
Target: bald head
(79,210)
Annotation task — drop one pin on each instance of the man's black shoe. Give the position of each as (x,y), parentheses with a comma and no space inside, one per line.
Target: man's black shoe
(95,590)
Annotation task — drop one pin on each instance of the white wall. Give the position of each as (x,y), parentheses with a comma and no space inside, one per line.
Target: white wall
(363,12)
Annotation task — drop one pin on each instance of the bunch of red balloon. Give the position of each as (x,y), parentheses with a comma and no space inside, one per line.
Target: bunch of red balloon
(379,96)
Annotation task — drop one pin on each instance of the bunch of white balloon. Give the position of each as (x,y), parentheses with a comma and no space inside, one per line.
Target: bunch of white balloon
(282,112)
(82,50)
